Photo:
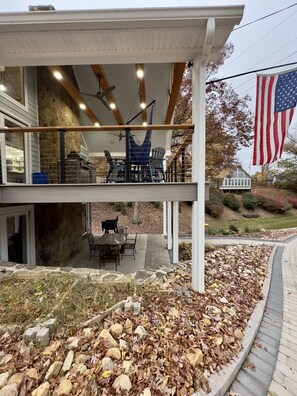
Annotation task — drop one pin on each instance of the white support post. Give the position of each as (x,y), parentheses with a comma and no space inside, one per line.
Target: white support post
(175,233)
(164,218)
(198,174)
(169,226)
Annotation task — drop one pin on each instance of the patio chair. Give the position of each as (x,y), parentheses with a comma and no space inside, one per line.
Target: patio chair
(111,254)
(130,246)
(94,249)
(116,172)
(110,225)
(156,164)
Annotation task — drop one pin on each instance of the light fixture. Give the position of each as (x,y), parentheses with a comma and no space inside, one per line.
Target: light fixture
(57,75)
(97,124)
(140,73)
(112,106)
(2,81)
(82,106)
(144,123)
(143,105)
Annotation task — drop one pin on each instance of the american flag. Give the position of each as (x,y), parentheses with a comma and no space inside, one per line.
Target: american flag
(275,103)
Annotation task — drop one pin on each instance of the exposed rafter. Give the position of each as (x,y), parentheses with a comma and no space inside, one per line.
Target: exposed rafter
(73,92)
(141,90)
(104,84)
(178,72)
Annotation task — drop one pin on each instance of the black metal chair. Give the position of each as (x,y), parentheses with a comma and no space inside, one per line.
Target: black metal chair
(95,250)
(116,172)
(130,246)
(111,254)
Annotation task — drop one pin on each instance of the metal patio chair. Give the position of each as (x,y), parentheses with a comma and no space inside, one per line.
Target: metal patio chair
(130,246)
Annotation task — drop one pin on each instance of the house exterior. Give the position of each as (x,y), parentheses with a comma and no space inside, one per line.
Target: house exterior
(44,117)
(237,180)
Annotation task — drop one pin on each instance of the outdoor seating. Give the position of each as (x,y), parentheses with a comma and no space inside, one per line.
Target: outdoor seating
(130,246)
(93,247)
(116,172)
(111,254)
(156,164)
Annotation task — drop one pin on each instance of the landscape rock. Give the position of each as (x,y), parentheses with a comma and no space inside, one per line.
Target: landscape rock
(238,334)
(49,350)
(87,332)
(42,390)
(123,344)
(194,356)
(72,342)
(173,312)
(3,379)
(136,307)
(67,362)
(5,359)
(32,373)
(54,370)
(64,388)
(25,351)
(9,390)
(107,364)
(128,326)
(122,383)
(146,392)
(30,334)
(140,330)
(114,353)
(42,336)
(127,364)
(116,329)
(105,334)
(17,379)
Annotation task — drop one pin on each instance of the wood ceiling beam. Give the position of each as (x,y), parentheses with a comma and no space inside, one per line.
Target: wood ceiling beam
(178,71)
(69,87)
(103,128)
(104,84)
(141,91)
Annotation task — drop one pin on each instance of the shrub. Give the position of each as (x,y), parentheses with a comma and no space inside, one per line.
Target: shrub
(119,207)
(185,250)
(231,201)
(293,202)
(276,205)
(129,204)
(157,204)
(233,228)
(214,209)
(249,201)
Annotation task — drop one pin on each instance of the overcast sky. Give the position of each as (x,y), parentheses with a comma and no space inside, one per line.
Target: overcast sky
(270,42)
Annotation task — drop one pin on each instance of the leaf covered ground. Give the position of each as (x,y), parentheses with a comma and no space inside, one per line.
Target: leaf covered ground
(171,347)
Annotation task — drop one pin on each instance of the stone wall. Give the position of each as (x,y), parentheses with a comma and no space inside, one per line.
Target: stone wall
(56,108)
(58,233)
(58,227)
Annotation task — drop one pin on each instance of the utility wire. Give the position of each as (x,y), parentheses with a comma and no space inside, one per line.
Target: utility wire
(252,71)
(256,42)
(264,17)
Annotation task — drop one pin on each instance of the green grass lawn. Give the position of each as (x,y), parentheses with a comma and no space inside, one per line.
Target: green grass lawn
(269,223)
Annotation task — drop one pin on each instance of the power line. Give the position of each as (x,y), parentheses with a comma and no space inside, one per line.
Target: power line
(264,17)
(252,71)
(256,42)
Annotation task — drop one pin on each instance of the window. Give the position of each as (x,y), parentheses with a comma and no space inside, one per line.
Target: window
(15,155)
(13,81)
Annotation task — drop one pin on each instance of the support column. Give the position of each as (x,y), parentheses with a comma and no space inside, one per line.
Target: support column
(164,218)
(198,174)
(175,233)
(62,156)
(169,226)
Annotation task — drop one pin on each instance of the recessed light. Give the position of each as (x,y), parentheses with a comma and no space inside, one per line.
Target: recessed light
(140,73)
(143,105)
(3,88)
(97,124)
(82,106)
(58,75)
(112,106)
(144,123)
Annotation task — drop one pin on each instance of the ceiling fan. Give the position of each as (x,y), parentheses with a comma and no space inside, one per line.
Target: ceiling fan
(121,135)
(101,94)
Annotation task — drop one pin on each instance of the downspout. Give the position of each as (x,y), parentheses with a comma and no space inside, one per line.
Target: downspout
(198,158)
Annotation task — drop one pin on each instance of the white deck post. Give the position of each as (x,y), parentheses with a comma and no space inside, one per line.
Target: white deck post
(169,226)
(175,233)
(164,218)
(198,174)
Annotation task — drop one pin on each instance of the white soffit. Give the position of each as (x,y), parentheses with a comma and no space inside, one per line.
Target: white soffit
(112,36)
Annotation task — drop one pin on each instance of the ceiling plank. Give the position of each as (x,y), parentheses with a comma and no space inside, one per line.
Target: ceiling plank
(103,128)
(73,92)
(104,84)
(141,91)
(176,83)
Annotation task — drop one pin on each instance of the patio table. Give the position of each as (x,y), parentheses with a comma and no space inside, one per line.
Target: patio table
(111,239)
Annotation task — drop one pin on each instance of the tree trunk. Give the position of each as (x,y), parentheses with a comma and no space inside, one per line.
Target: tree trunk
(136,214)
